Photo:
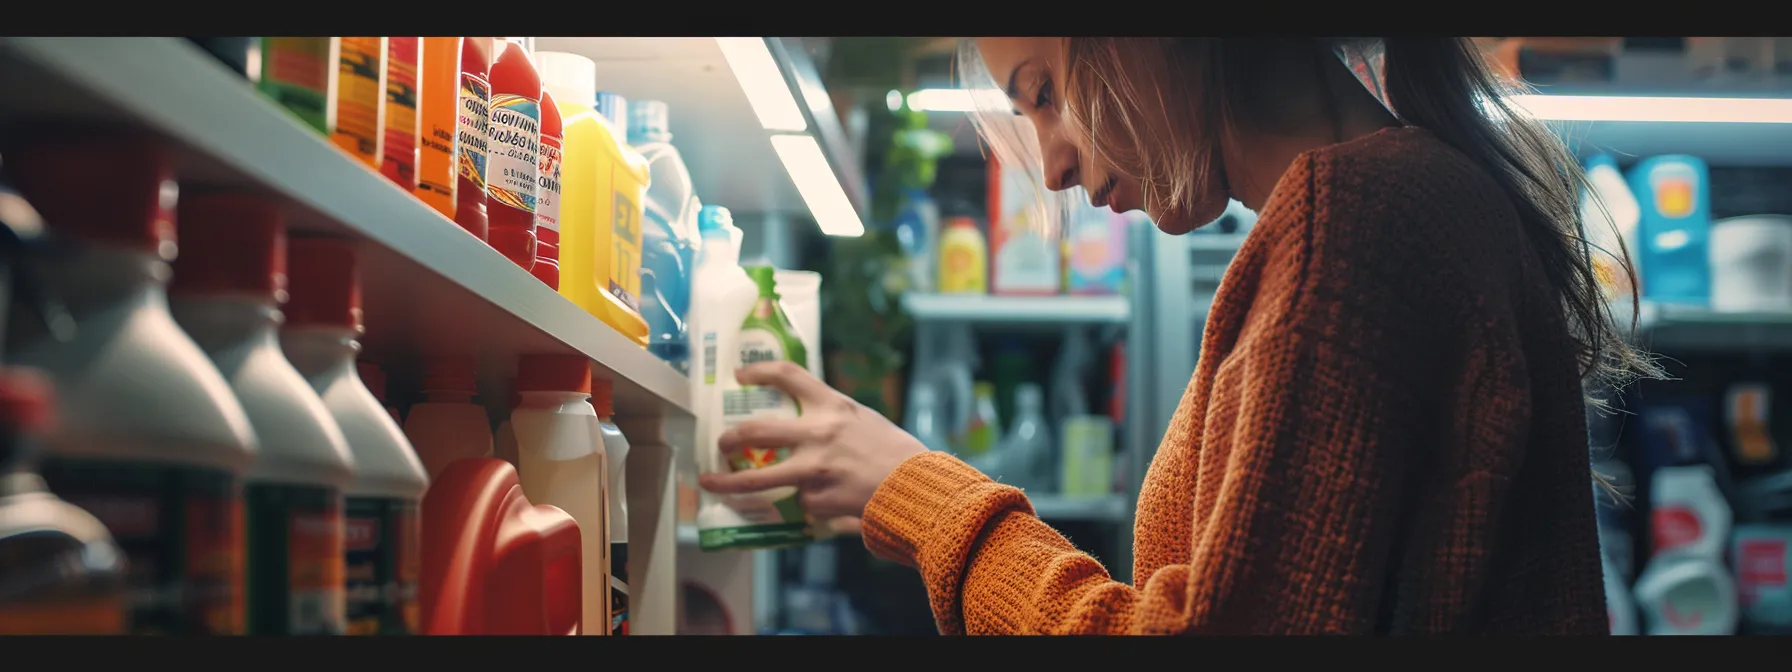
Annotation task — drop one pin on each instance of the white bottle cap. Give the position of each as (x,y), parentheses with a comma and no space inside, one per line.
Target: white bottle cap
(571,78)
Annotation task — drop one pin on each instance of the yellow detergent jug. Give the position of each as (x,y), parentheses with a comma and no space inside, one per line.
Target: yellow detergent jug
(604,184)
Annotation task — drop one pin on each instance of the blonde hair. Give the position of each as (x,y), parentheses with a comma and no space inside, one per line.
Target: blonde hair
(1153,109)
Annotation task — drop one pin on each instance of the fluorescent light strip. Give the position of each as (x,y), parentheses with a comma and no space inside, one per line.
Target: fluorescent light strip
(1651,108)
(820,189)
(763,83)
(1549,107)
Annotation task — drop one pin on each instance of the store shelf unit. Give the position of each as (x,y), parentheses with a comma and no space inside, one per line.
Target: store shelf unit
(1691,328)
(429,288)
(1038,310)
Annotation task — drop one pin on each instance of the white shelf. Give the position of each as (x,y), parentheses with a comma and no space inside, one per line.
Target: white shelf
(428,287)
(1671,327)
(995,309)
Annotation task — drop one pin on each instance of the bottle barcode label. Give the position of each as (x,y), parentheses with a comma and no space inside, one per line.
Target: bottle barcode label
(749,401)
(709,359)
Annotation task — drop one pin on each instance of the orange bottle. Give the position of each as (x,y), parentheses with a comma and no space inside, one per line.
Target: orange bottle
(438,101)
(472,126)
(494,564)
(403,61)
(361,98)
(547,197)
(515,143)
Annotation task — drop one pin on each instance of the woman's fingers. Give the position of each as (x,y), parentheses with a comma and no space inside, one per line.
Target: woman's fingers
(766,433)
(787,473)
(792,378)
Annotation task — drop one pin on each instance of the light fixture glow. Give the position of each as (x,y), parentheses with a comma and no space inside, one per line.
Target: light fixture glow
(1658,109)
(820,189)
(763,83)
(1544,106)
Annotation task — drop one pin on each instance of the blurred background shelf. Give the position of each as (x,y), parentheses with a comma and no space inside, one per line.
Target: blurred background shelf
(995,309)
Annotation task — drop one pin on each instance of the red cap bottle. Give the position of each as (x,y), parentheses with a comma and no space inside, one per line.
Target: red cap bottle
(100,188)
(547,201)
(553,373)
(325,285)
(236,244)
(514,143)
(472,128)
(602,397)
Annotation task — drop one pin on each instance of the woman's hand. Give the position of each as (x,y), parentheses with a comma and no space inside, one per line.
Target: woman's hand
(840,450)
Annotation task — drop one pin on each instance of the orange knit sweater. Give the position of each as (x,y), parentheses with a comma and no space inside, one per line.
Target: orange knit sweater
(1384,434)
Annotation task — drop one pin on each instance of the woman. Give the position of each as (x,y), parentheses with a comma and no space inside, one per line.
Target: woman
(1385,431)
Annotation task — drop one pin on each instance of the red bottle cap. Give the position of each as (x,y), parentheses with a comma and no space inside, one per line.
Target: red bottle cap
(236,243)
(553,373)
(373,377)
(602,391)
(100,188)
(451,374)
(325,284)
(27,401)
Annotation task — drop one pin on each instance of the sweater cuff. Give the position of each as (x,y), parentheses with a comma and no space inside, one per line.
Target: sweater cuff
(928,493)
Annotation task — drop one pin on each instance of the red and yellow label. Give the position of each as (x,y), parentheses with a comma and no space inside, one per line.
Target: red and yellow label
(94,616)
(215,564)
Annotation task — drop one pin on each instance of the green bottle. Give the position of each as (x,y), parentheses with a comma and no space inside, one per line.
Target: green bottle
(775,517)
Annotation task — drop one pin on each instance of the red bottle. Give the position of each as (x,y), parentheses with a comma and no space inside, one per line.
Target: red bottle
(547,198)
(472,126)
(494,564)
(515,144)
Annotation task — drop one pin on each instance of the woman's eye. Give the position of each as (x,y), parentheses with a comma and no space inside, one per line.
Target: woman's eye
(1044,98)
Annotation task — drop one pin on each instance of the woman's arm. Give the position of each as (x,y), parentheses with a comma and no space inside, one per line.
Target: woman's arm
(1302,470)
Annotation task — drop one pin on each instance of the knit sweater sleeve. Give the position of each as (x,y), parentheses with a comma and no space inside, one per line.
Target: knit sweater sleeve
(1304,449)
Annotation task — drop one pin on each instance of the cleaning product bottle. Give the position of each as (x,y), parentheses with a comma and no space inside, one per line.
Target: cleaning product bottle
(375,379)
(547,204)
(60,572)
(670,212)
(148,423)
(722,294)
(587,174)
(1758,551)
(361,98)
(964,258)
(472,138)
(447,425)
(515,143)
(497,564)
(616,499)
(1683,593)
(560,461)
(438,102)
(299,73)
(404,57)
(620,208)
(228,285)
(774,517)
(320,338)
(1611,222)
(1674,193)
(986,424)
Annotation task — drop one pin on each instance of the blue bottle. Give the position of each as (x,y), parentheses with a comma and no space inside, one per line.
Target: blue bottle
(668,233)
(1674,192)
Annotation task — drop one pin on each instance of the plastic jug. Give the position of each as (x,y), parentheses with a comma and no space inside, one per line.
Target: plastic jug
(447,425)
(615,499)
(229,283)
(668,223)
(320,339)
(561,462)
(495,563)
(148,423)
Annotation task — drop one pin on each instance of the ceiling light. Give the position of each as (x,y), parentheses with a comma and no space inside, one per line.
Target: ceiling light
(1651,108)
(763,83)
(820,188)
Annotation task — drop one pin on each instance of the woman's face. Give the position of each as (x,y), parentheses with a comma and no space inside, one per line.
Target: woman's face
(1031,71)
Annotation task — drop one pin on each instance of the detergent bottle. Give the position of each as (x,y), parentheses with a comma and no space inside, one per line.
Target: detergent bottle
(447,425)
(299,73)
(619,221)
(497,564)
(361,98)
(229,282)
(148,424)
(321,339)
(590,151)
(548,194)
(472,139)
(670,217)
(615,499)
(560,461)
(438,102)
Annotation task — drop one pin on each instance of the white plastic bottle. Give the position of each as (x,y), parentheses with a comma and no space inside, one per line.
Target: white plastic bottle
(323,324)
(1682,593)
(722,296)
(616,498)
(447,426)
(560,461)
(147,423)
(228,286)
